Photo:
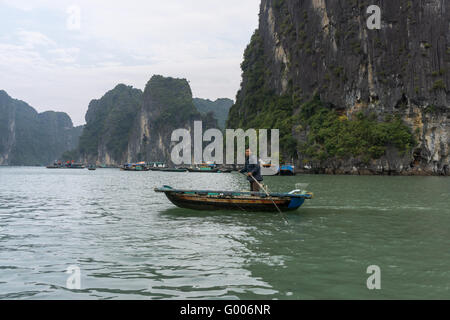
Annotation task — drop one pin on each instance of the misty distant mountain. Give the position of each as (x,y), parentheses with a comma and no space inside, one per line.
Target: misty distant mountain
(219,108)
(31,138)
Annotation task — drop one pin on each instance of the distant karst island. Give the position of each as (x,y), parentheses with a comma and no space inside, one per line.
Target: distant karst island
(125,125)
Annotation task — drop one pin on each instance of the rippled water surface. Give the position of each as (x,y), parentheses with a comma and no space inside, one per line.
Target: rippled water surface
(131,243)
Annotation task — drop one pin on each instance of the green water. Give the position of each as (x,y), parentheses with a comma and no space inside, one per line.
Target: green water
(131,243)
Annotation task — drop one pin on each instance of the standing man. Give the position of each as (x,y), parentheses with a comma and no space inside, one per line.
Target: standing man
(253,170)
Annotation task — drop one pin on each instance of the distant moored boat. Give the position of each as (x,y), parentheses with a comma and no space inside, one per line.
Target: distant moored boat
(287,170)
(67,165)
(140,166)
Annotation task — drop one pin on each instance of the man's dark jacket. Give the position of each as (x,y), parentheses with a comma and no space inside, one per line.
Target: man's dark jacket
(255,169)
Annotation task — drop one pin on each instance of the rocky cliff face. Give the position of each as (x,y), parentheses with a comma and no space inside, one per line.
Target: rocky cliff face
(167,106)
(31,138)
(128,125)
(7,127)
(324,48)
(109,121)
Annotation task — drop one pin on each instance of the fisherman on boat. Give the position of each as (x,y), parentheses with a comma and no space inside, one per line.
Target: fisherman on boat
(253,170)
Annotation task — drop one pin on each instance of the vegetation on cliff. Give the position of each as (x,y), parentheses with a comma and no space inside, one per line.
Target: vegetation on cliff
(258,106)
(331,135)
(315,92)
(172,98)
(31,138)
(109,121)
(167,105)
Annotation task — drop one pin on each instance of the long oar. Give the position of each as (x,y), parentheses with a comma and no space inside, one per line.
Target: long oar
(281,213)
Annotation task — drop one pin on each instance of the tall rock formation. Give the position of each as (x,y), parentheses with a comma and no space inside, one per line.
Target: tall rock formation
(167,106)
(128,125)
(315,70)
(31,138)
(109,121)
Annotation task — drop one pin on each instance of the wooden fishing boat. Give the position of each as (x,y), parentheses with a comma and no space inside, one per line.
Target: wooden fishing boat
(75,166)
(67,165)
(205,167)
(235,200)
(140,169)
(92,167)
(135,167)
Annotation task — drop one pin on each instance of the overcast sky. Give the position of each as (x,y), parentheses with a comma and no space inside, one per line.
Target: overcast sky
(59,55)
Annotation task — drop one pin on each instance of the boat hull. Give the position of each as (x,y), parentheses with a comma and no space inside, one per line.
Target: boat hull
(287,170)
(254,205)
(168,169)
(53,167)
(287,173)
(138,170)
(203,171)
(236,201)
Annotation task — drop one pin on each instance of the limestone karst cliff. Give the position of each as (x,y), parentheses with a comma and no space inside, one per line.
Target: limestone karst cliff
(167,105)
(31,138)
(348,99)
(128,125)
(109,121)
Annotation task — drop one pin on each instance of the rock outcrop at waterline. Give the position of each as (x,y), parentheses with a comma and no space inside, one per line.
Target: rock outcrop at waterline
(369,83)
(31,138)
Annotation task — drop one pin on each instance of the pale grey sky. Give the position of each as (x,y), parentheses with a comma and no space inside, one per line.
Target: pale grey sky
(59,55)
